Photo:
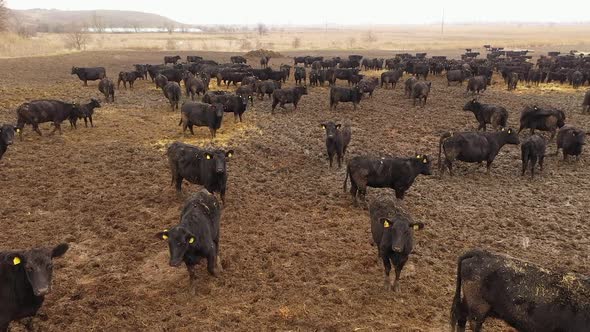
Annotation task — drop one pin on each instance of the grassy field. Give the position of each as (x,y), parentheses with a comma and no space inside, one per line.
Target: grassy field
(393,38)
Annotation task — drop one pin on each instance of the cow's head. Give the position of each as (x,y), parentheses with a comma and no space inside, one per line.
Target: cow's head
(74,70)
(94,103)
(179,241)
(472,105)
(560,118)
(218,108)
(510,136)
(216,160)
(579,136)
(331,129)
(398,231)
(37,265)
(422,163)
(7,134)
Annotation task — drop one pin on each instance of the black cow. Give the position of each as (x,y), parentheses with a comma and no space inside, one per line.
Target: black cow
(393,233)
(196,236)
(161,81)
(286,69)
(246,91)
(89,74)
(107,87)
(346,95)
(456,75)
(171,59)
(396,173)
(391,77)
(267,87)
(345,74)
(586,102)
(173,93)
(337,140)
(473,147)
(25,280)
(142,70)
(476,84)
(368,85)
(193,85)
(6,138)
(40,111)
(524,295)
(409,86)
(298,59)
(533,117)
(238,59)
(199,166)
(485,114)
(154,70)
(193,58)
(421,69)
(128,77)
(85,112)
(577,79)
(512,81)
(420,92)
(201,115)
(300,75)
(231,103)
(532,150)
(287,96)
(264,61)
(571,141)
(173,74)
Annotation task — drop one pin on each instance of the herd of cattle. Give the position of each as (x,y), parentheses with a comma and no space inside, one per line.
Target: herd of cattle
(488,284)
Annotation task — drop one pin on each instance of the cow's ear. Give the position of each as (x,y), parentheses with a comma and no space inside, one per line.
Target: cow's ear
(473,101)
(386,222)
(229,153)
(417,226)
(59,250)
(162,235)
(15,259)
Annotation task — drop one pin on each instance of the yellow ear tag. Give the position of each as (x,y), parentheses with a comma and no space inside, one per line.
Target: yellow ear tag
(18,130)
(509,131)
(503,129)
(16,261)
(208,157)
(418,156)
(386,224)
(230,154)
(416,227)
(425,161)
(164,236)
(191,240)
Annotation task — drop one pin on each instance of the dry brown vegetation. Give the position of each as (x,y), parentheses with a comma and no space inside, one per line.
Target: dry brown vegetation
(395,38)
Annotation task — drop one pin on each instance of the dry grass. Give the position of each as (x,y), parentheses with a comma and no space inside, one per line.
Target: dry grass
(394,38)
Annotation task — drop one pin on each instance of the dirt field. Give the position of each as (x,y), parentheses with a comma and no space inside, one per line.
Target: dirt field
(296,252)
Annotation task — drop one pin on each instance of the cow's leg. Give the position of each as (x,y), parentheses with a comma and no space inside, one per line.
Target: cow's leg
(398,272)
(178,183)
(192,278)
(339,155)
(235,117)
(212,132)
(533,162)
(552,135)
(85,83)
(86,122)
(190,128)
(449,166)
(541,159)
(91,124)
(488,166)
(524,164)
(57,126)
(211,263)
(387,266)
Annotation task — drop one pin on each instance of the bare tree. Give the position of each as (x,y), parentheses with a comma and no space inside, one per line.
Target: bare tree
(136,27)
(370,37)
(351,42)
(296,42)
(169,27)
(98,23)
(261,28)
(3,16)
(77,38)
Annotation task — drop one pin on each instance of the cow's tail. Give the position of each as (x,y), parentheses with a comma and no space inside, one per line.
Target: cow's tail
(443,138)
(346,178)
(456,305)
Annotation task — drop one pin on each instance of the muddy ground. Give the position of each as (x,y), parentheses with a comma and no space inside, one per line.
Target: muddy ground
(296,252)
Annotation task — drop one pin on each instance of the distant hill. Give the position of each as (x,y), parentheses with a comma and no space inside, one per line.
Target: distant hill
(52,20)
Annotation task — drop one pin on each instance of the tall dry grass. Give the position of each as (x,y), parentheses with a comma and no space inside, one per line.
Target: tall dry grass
(394,38)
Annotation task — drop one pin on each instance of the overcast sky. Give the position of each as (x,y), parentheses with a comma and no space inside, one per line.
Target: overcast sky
(305,12)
